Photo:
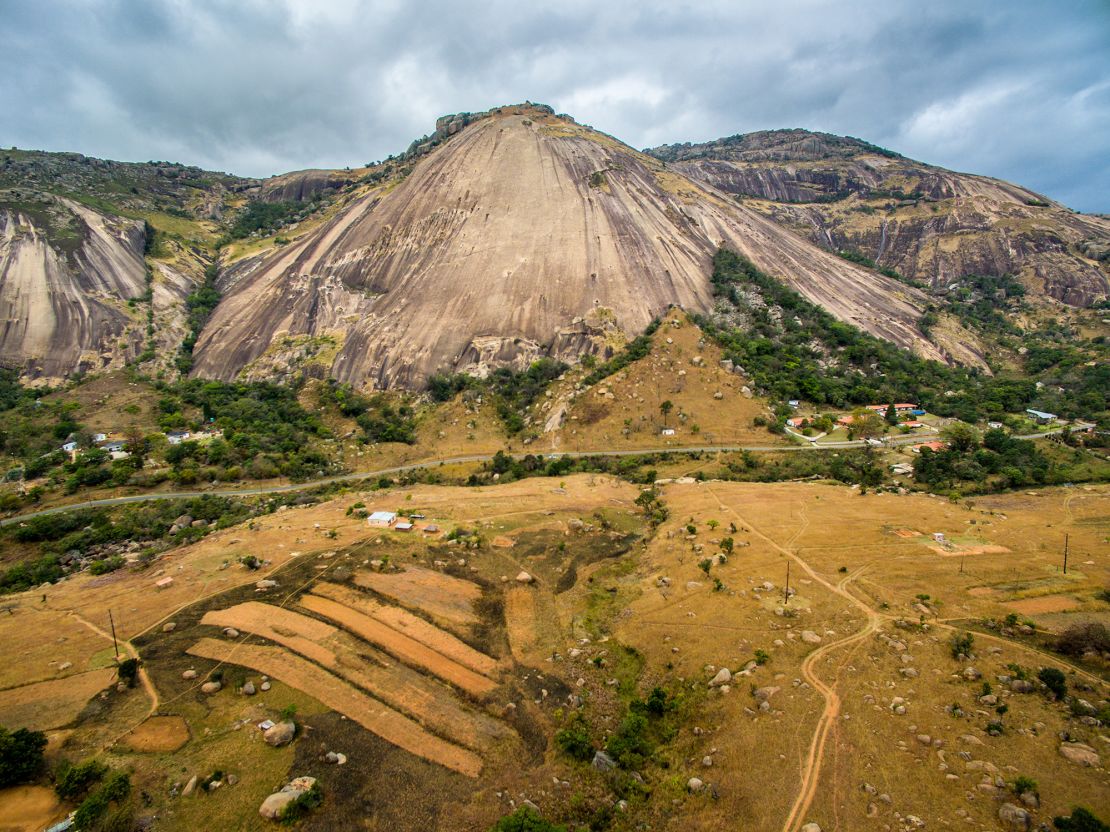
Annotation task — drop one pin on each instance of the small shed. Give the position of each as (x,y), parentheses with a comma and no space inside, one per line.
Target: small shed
(382,519)
(162,583)
(667,432)
(1041,416)
(403,526)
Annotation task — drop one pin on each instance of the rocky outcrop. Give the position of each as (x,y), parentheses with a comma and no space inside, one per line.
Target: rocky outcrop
(72,287)
(929,224)
(496,244)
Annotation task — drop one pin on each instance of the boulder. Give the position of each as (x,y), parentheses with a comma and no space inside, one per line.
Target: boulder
(811,827)
(1079,753)
(972,674)
(524,578)
(810,637)
(189,674)
(280,734)
(603,762)
(247,689)
(1015,818)
(231,632)
(211,687)
(169,627)
(765,694)
(723,677)
(265,584)
(265,686)
(1022,686)
(695,784)
(273,806)
(190,787)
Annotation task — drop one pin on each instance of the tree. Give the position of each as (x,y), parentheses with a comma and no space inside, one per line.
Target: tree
(20,755)
(891,414)
(961,436)
(665,407)
(866,424)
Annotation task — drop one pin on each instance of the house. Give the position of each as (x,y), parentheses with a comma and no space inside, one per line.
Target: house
(118,455)
(382,519)
(932,446)
(403,526)
(69,446)
(796,422)
(844,420)
(994,425)
(176,437)
(1042,417)
(794,403)
(912,423)
(898,408)
(113,446)
(938,537)
(431,528)
(667,432)
(99,437)
(162,583)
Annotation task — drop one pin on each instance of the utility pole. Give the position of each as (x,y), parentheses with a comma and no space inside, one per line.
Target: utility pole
(786,589)
(1066,553)
(115,645)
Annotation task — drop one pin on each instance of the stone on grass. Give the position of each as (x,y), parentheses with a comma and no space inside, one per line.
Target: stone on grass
(211,687)
(1080,753)
(280,734)
(190,787)
(169,627)
(695,784)
(247,689)
(524,578)
(603,762)
(723,677)
(810,637)
(1015,818)
(189,674)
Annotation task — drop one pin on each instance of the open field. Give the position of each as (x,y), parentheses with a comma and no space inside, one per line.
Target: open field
(29,809)
(52,704)
(457,677)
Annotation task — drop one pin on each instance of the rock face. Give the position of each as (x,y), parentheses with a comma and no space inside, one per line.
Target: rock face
(67,274)
(522,235)
(929,224)
(1015,818)
(1079,753)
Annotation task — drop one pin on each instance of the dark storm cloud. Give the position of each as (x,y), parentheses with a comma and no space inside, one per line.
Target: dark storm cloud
(1018,90)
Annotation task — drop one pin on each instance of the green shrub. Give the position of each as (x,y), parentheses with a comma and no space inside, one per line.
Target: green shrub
(303,805)
(72,781)
(962,644)
(574,739)
(526,819)
(1054,680)
(1080,820)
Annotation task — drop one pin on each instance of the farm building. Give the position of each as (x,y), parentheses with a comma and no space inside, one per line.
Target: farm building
(403,526)
(382,519)
(1042,417)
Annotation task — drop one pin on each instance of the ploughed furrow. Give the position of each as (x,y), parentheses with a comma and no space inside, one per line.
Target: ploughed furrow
(431,703)
(411,625)
(328,689)
(406,649)
(446,599)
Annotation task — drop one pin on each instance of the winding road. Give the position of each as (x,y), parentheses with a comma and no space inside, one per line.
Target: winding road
(458,460)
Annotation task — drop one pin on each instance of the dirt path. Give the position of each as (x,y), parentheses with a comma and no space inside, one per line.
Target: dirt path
(148,686)
(811,765)
(393,727)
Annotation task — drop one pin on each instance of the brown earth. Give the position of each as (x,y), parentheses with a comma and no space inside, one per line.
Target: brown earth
(159,734)
(44,705)
(29,808)
(338,695)
(414,627)
(1044,604)
(402,646)
(440,596)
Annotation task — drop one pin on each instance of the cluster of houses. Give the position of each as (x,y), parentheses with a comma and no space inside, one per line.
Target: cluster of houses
(115,445)
(392,520)
(903,409)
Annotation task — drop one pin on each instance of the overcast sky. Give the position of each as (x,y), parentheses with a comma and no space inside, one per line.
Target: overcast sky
(1017,89)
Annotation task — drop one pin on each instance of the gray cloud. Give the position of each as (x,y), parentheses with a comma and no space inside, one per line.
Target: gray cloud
(1018,90)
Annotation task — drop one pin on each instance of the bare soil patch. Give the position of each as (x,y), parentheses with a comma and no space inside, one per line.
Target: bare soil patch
(1043,604)
(439,595)
(339,696)
(520,621)
(158,734)
(53,704)
(959,550)
(29,809)
(413,626)
(296,631)
(398,644)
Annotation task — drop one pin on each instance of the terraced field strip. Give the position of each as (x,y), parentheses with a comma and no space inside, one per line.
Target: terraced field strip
(406,649)
(297,632)
(330,690)
(431,703)
(520,622)
(439,595)
(411,625)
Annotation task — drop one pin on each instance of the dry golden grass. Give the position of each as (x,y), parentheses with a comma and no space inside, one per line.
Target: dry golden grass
(52,704)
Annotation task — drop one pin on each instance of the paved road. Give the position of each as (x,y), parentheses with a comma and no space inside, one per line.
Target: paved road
(434,463)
